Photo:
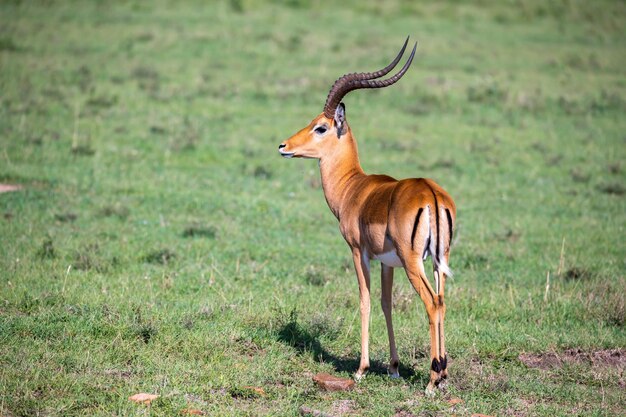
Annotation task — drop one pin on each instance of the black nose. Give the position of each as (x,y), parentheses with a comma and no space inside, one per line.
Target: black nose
(282,145)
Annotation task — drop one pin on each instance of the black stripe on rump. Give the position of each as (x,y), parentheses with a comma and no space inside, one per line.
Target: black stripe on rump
(417,220)
(449,226)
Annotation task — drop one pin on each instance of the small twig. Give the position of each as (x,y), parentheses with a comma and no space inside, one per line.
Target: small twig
(67,273)
(561,259)
(511,296)
(6,157)
(217,271)
(215,287)
(257,268)
(545,296)
(602,389)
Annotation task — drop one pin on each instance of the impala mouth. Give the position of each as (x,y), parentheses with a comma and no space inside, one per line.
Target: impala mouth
(285,153)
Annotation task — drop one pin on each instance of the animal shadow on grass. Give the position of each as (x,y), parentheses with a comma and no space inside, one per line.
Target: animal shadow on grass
(305,339)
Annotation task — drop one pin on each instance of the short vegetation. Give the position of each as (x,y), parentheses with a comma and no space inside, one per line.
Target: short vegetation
(159,244)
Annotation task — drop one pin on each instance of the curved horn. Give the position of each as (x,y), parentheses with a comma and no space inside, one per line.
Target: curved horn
(376,74)
(355,81)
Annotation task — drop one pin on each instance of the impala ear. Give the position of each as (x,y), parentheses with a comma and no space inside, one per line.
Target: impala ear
(340,118)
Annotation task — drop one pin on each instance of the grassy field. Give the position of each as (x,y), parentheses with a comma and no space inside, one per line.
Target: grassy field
(160,244)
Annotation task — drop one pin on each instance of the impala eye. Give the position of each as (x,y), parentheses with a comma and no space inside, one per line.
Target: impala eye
(320,130)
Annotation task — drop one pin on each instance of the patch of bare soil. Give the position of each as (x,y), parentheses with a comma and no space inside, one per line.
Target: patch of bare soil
(308,411)
(118,373)
(520,407)
(543,361)
(610,358)
(343,407)
(5,188)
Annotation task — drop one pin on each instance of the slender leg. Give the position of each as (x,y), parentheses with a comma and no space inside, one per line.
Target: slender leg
(415,271)
(361,265)
(386,279)
(441,309)
(435,363)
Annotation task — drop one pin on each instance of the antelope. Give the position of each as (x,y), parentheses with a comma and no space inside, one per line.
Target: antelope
(398,222)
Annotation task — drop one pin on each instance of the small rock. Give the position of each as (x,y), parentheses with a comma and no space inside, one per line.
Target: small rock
(333,383)
(455,401)
(6,188)
(143,398)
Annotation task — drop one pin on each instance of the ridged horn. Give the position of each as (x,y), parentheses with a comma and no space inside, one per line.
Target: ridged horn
(355,81)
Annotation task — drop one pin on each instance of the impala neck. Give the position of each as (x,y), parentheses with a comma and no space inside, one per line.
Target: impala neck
(339,171)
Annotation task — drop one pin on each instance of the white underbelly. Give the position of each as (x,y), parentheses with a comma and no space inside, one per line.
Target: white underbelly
(390,259)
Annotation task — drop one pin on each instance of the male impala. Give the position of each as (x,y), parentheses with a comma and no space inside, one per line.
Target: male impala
(399,223)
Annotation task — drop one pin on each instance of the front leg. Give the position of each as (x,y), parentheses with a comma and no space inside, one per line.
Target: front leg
(362,267)
(386,279)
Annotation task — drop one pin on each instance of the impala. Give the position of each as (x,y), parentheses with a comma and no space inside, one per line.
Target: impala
(398,222)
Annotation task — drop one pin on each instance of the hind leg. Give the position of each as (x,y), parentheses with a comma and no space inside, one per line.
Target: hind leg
(417,276)
(441,311)
(386,278)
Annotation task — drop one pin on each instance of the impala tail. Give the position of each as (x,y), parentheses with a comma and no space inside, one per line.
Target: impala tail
(440,245)
(439,214)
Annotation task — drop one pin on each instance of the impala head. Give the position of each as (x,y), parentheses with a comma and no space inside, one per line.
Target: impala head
(326,133)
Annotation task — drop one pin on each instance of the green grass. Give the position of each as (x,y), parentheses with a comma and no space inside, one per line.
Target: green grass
(161,245)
